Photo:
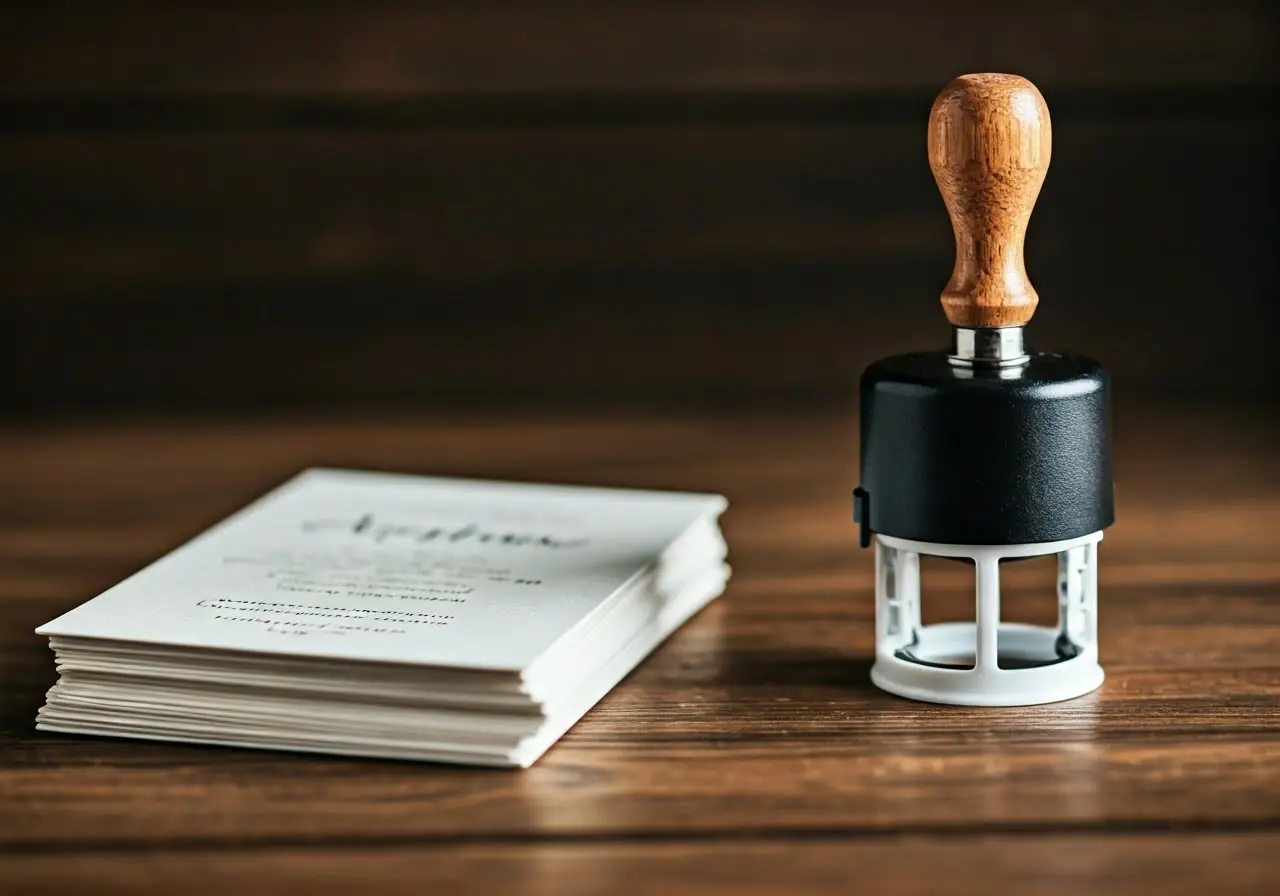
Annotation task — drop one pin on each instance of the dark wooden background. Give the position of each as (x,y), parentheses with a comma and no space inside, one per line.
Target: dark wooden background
(372,204)
(648,244)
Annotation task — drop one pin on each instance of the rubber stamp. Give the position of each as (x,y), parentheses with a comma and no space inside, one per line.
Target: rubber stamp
(986,452)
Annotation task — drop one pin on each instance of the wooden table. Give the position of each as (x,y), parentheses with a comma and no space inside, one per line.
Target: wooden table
(749,754)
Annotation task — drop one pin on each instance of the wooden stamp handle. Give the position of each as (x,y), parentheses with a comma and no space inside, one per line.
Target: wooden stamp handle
(989,146)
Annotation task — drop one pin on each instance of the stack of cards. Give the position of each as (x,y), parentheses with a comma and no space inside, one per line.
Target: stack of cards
(394,616)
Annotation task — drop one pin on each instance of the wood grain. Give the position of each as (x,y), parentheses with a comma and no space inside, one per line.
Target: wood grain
(751,745)
(500,46)
(397,209)
(990,142)
(929,866)
(384,204)
(416,269)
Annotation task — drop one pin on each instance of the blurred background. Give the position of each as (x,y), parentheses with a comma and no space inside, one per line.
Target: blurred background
(356,206)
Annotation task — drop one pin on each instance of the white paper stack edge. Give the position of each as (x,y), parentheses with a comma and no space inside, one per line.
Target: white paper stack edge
(208,645)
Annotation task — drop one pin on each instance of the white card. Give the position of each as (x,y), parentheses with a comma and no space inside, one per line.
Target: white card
(402,569)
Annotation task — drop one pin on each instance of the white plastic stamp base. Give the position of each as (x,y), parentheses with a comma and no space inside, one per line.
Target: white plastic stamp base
(1046,664)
